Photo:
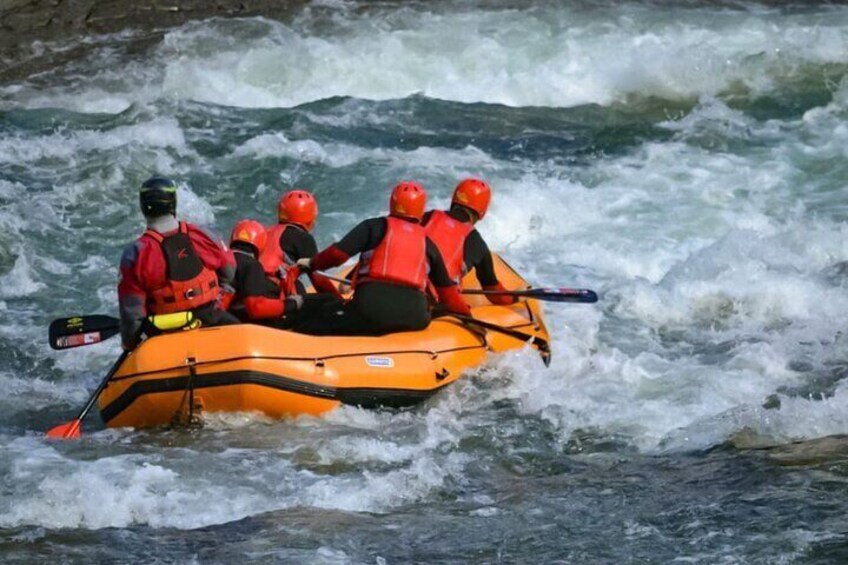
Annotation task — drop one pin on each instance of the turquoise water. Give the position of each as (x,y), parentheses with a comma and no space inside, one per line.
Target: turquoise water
(687,161)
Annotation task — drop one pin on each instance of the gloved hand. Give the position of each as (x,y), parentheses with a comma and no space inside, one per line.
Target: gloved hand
(293,303)
(304,264)
(451,299)
(499,299)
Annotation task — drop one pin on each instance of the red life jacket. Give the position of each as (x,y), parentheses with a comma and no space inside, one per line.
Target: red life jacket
(190,284)
(400,258)
(273,257)
(449,236)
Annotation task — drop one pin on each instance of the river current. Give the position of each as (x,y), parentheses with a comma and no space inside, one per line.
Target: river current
(686,160)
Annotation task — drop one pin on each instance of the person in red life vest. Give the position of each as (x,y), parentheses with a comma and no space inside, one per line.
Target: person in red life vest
(461,246)
(257,297)
(391,280)
(291,239)
(173,267)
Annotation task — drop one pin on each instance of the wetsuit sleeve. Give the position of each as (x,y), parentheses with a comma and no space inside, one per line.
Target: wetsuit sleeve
(131,297)
(438,273)
(484,268)
(297,243)
(478,257)
(260,296)
(252,280)
(329,258)
(367,235)
(261,308)
(323,284)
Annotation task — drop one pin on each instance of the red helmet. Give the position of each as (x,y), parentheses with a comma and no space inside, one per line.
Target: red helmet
(250,231)
(408,199)
(474,194)
(298,207)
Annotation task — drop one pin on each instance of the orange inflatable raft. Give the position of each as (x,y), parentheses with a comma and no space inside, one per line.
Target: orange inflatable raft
(176,377)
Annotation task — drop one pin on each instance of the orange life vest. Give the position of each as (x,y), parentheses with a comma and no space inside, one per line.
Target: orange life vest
(400,258)
(449,236)
(190,284)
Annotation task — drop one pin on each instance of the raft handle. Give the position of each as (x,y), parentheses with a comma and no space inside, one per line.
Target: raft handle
(443,374)
(319,363)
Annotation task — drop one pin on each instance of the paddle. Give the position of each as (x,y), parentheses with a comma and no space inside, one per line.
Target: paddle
(332,278)
(540,343)
(71,430)
(579,295)
(77,331)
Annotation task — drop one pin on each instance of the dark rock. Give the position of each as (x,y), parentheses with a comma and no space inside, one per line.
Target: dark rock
(31,30)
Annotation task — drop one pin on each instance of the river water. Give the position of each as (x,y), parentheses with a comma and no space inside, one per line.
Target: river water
(686,160)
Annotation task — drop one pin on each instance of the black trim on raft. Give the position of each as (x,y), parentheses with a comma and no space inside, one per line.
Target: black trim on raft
(431,354)
(366,397)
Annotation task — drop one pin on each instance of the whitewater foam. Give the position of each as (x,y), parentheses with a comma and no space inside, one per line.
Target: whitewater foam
(553,55)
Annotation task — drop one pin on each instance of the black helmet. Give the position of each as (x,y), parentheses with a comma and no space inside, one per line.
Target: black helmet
(158,197)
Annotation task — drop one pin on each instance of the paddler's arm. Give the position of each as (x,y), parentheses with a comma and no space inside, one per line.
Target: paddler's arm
(448,291)
(131,297)
(262,308)
(299,244)
(367,235)
(479,258)
(260,297)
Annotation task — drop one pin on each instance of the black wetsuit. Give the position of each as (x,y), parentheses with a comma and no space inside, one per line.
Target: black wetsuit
(251,281)
(377,307)
(298,243)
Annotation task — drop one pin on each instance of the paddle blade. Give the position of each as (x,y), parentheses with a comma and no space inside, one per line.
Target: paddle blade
(580,295)
(70,430)
(77,331)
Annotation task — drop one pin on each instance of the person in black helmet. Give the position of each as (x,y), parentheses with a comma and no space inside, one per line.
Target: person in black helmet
(173,267)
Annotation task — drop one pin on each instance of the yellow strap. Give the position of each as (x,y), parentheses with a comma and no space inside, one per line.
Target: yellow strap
(175,321)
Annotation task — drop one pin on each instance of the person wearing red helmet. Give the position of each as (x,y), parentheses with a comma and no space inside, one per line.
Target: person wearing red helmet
(257,298)
(461,246)
(291,239)
(397,262)
(173,267)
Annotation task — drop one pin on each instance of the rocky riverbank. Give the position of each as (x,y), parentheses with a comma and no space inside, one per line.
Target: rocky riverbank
(37,35)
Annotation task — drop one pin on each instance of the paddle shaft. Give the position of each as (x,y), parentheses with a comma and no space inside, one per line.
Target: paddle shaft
(96,394)
(578,295)
(540,343)
(332,278)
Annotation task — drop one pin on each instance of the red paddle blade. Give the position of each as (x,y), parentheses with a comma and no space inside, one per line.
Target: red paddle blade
(70,430)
